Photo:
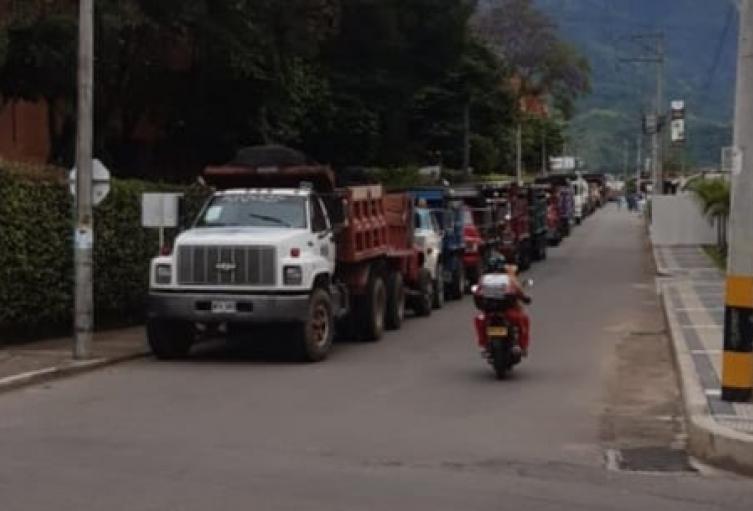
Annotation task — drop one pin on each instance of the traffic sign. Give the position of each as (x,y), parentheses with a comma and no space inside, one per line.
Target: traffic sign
(100,182)
(678,122)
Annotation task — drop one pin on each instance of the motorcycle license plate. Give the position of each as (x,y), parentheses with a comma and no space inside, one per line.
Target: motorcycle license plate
(496,331)
(224,307)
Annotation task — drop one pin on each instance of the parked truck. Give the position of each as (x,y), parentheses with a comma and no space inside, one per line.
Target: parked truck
(538,207)
(480,235)
(553,220)
(447,260)
(561,194)
(278,244)
(512,214)
(581,198)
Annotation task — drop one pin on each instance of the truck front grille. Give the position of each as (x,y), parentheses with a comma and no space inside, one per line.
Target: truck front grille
(223,265)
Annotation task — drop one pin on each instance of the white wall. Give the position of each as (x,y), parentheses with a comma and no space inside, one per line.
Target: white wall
(678,220)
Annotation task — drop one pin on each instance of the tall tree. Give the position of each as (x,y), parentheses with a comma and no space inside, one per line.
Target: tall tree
(528,40)
(39,64)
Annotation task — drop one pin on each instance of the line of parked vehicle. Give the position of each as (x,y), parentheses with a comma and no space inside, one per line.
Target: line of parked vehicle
(279,244)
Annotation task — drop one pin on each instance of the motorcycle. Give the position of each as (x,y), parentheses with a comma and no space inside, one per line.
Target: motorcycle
(494,296)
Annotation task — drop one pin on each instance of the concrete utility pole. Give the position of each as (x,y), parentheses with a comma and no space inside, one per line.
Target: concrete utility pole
(656,55)
(737,368)
(543,153)
(658,140)
(639,164)
(519,154)
(467,138)
(84,232)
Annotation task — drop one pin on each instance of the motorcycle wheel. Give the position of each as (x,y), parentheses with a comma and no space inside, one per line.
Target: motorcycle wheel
(500,360)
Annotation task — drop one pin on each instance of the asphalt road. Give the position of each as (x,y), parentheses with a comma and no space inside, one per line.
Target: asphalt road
(415,422)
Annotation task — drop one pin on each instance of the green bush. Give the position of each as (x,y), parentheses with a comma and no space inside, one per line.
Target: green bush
(36,254)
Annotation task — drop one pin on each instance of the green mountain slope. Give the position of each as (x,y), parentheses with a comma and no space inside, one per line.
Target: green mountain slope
(701,41)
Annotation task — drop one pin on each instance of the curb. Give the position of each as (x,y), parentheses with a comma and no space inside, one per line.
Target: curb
(18,381)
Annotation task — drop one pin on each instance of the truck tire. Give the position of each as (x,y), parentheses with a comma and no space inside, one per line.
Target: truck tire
(524,256)
(317,332)
(541,249)
(372,309)
(458,285)
(395,312)
(423,302)
(473,276)
(169,340)
(437,300)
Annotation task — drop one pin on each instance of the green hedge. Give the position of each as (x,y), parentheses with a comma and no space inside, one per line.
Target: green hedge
(36,251)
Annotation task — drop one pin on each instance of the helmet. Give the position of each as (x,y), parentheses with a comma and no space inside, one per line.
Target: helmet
(497,263)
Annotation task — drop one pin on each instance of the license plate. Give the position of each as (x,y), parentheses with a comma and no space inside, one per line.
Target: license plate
(224,307)
(496,331)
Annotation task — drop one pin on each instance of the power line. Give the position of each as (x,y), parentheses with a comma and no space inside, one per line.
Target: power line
(718,54)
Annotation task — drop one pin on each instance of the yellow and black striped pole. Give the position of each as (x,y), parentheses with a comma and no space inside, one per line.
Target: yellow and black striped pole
(737,363)
(737,368)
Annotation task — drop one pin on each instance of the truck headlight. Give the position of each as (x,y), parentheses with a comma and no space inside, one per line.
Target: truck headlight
(164,274)
(292,275)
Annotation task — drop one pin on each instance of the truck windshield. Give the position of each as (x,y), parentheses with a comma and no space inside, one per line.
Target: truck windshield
(250,210)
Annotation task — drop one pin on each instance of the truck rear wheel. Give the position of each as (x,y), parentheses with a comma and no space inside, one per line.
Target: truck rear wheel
(524,256)
(540,250)
(317,331)
(423,302)
(169,340)
(395,313)
(372,309)
(437,300)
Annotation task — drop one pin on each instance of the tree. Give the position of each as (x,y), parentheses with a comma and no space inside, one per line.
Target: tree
(40,64)
(479,80)
(714,197)
(380,65)
(542,62)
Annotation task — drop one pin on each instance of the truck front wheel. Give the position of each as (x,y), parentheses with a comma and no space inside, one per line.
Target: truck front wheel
(372,309)
(317,331)
(169,340)
(423,302)
(438,296)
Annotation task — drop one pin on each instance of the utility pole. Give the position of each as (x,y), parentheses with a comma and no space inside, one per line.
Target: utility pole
(84,232)
(658,140)
(543,152)
(654,54)
(467,138)
(519,153)
(737,367)
(639,164)
(626,166)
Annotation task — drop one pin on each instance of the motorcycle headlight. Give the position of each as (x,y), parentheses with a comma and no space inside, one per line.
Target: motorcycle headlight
(293,275)
(163,274)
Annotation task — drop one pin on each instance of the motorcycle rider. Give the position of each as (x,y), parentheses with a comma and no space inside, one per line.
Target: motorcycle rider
(516,315)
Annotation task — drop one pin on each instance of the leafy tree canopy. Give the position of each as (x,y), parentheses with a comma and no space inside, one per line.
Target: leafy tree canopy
(180,83)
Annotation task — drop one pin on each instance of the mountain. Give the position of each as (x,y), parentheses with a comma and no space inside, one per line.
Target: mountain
(701,46)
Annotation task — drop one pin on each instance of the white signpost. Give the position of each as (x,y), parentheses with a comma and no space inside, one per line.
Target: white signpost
(160,211)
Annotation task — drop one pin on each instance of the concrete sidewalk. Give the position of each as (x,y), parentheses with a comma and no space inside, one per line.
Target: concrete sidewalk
(692,290)
(39,361)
